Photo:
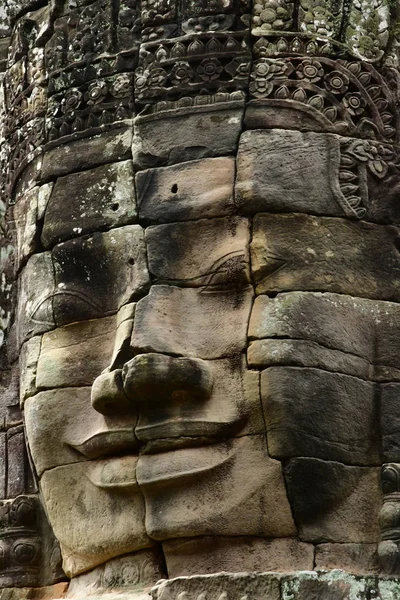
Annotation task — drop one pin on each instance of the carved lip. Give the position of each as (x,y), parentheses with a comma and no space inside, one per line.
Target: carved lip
(200,428)
(184,463)
(115,472)
(163,437)
(108,443)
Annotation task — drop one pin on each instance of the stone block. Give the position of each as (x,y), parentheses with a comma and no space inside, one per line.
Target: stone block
(123,335)
(137,570)
(63,428)
(310,412)
(187,133)
(3,465)
(361,328)
(234,586)
(189,322)
(79,505)
(96,274)
(354,558)
(333,175)
(90,343)
(50,592)
(35,293)
(304,252)
(302,353)
(90,200)
(334,585)
(182,489)
(16,462)
(333,502)
(107,147)
(28,359)
(390,421)
(212,253)
(191,190)
(211,554)
(26,215)
(288,171)
(333,321)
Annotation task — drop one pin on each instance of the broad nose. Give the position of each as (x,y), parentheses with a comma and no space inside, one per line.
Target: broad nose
(156,379)
(151,381)
(108,396)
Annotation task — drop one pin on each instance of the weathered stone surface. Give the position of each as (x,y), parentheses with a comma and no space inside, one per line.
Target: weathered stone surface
(36,290)
(326,585)
(190,322)
(331,255)
(359,328)
(334,585)
(332,502)
(91,343)
(190,190)
(212,253)
(86,201)
(302,353)
(390,421)
(81,491)
(235,554)
(96,274)
(51,592)
(123,335)
(238,475)
(29,357)
(354,558)
(27,212)
(108,147)
(295,171)
(16,464)
(63,428)
(187,134)
(288,171)
(3,465)
(235,586)
(310,412)
(137,570)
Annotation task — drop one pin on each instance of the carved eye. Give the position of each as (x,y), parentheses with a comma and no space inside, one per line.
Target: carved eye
(71,305)
(228,273)
(43,311)
(65,306)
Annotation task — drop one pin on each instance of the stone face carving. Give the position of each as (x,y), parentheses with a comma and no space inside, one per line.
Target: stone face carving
(202,301)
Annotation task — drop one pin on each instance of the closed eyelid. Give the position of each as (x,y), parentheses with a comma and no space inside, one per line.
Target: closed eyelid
(48,301)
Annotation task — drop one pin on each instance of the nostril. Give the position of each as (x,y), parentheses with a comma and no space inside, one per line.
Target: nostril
(174,188)
(152,377)
(108,396)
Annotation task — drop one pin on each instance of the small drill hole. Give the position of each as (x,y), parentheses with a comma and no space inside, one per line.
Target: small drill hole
(131,261)
(115,206)
(174,188)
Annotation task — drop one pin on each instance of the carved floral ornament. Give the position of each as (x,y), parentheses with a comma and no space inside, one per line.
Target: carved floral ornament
(360,26)
(347,94)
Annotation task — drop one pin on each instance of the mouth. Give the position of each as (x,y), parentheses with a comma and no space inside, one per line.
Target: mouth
(118,454)
(172,434)
(108,443)
(162,437)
